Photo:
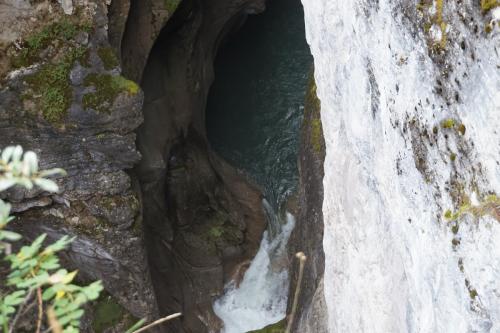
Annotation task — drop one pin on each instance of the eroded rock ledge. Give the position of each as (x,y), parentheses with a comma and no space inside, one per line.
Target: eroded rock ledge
(62,95)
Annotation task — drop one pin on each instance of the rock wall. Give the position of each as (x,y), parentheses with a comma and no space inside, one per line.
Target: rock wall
(175,210)
(212,220)
(308,233)
(62,95)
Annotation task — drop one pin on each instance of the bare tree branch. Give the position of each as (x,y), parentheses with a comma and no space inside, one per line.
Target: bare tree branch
(159,321)
(302,260)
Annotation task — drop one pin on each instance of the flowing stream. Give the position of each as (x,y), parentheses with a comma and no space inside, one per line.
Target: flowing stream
(254,114)
(412,171)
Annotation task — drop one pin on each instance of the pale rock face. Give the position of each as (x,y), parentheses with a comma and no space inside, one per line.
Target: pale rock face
(67,6)
(397,158)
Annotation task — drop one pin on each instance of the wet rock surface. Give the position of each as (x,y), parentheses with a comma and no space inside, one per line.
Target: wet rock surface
(213,219)
(307,236)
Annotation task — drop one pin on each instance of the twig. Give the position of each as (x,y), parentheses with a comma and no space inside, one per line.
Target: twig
(53,322)
(302,260)
(20,310)
(157,322)
(40,310)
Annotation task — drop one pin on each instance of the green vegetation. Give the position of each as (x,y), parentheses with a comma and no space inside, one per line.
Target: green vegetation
(453,157)
(279,327)
(108,313)
(487,5)
(35,279)
(107,88)
(461,129)
(313,107)
(108,57)
(51,86)
(448,123)
(316,134)
(171,6)
(35,276)
(63,30)
(436,20)
(489,206)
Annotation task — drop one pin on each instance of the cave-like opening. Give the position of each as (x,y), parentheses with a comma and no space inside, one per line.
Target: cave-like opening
(202,218)
(254,113)
(255,104)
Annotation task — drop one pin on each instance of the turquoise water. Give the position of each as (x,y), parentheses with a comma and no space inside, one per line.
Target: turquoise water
(255,105)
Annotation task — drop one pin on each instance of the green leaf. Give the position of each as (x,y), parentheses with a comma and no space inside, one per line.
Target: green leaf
(15,298)
(30,166)
(71,316)
(59,245)
(52,172)
(6,153)
(46,185)
(136,326)
(9,235)
(48,293)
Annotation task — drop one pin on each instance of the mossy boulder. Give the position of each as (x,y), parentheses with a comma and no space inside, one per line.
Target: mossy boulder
(107,87)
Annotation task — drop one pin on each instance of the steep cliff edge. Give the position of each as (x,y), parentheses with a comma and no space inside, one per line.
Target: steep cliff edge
(202,217)
(307,236)
(410,111)
(62,96)
(183,214)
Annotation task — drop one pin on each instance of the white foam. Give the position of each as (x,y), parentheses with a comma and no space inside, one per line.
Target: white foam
(261,297)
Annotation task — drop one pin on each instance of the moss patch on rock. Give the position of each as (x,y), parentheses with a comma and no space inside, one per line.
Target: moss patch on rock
(313,106)
(487,5)
(55,33)
(489,206)
(171,6)
(108,57)
(108,313)
(279,327)
(107,88)
(50,87)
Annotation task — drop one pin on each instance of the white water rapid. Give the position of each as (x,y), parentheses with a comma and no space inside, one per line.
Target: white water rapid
(261,297)
(409,135)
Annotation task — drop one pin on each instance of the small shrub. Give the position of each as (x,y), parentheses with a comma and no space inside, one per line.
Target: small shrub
(35,275)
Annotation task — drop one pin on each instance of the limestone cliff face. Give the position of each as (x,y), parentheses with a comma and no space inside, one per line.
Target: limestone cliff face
(162,232)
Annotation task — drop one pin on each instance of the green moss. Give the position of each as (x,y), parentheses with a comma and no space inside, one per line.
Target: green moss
(279,327)
(51,90)
(490,206)
(63,30)
(448,123)
(461,129)
(171,6)
(473,293)
(436,20)
(107,88)
(453,157)
(313,107)
(316,134)
(487,5)
(455,228)
(108,57)
(108,313)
